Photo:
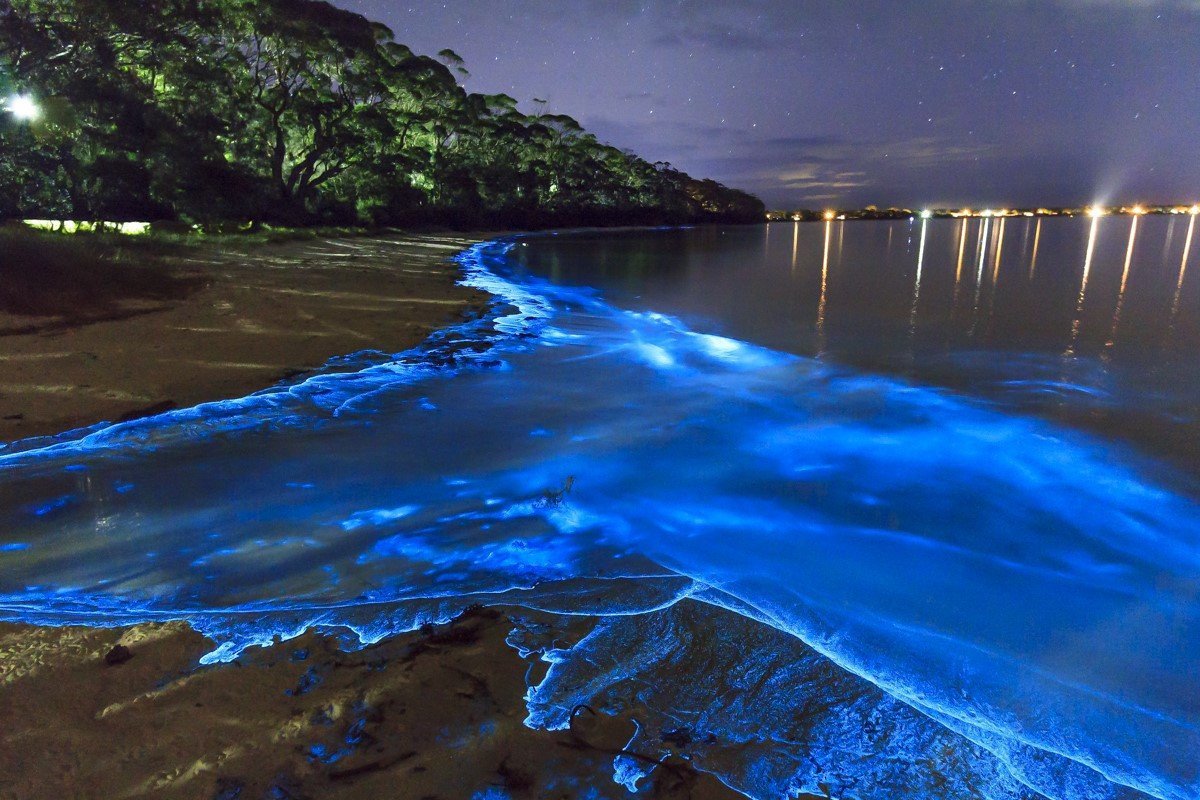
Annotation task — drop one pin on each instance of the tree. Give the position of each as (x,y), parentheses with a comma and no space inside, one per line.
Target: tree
(295,111)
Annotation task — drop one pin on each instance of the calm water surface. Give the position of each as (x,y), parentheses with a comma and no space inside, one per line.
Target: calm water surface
(1092,322)
(883,509)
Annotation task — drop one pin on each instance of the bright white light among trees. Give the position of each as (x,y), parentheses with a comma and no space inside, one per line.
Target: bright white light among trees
(23,107)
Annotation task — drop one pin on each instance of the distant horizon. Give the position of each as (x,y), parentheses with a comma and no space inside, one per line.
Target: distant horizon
(1192,207)
(808,104)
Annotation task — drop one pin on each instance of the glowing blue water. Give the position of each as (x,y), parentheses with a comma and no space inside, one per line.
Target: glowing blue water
(919,594)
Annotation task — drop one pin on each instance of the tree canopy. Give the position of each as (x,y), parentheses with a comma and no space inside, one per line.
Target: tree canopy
(297,112)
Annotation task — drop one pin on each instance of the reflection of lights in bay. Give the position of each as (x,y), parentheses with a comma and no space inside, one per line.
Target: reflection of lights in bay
(999,250)
(1129,253)
(1166,251)
(1037,238)
(996,268)
(795,243)
(912,317)
(1124,280)
(1110,320)
(1087,268)
(962,246)
(824,286)
(983,234)
(1187,249)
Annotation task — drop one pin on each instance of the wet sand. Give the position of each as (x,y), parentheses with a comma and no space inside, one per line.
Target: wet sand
(437,713)
(242,317)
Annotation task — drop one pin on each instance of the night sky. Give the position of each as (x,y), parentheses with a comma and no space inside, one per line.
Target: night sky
(937,102)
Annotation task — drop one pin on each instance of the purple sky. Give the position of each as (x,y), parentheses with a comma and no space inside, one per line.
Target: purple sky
(815,103)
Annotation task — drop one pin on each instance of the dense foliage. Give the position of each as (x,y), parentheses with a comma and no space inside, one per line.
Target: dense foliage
(293,111)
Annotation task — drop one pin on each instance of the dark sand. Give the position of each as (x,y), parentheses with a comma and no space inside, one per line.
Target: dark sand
(436,713)
(232,319)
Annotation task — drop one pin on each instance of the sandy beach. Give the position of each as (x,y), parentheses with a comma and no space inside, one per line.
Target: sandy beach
(243,316)
(130,712)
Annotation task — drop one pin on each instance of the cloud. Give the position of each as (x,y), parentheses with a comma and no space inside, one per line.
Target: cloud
(796,142)
(718,37)
(814,170)
(741,26)
(812,176)
(928,151)
(798,174)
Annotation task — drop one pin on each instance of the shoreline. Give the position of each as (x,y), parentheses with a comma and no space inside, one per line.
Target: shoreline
(257,314)
(129,710)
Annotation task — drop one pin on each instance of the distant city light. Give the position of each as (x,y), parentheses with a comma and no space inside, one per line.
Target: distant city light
(1093,211)
(23,107)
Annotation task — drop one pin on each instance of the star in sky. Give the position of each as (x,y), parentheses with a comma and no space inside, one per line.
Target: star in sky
(810,103)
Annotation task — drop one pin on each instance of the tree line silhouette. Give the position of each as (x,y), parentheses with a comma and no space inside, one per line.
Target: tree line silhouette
(295,112)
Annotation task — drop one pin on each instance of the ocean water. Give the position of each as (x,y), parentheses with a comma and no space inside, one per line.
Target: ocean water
(866,509)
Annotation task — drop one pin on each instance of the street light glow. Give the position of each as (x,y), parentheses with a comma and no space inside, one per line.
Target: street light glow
(926,214)
(23,107)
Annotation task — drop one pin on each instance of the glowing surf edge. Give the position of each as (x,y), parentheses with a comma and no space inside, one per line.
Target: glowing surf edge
(440,356)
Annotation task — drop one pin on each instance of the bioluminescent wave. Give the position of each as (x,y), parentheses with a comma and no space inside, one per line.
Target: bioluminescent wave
(839,582)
